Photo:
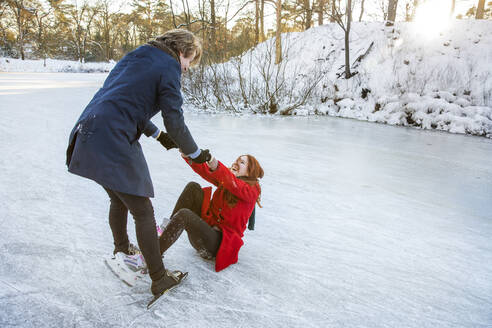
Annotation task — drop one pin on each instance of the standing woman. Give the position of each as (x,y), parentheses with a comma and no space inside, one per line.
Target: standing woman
(104,147)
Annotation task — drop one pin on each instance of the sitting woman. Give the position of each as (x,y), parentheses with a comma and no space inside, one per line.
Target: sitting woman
(215,226)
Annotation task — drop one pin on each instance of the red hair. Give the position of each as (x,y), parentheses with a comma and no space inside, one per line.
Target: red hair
(255,172)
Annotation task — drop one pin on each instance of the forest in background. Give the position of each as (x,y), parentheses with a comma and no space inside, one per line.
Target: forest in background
(103,30)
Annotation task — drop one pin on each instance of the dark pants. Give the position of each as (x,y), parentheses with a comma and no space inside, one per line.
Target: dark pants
(143,215)
(186,216)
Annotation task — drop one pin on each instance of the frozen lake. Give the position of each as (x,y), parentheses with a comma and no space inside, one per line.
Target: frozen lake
(363,225)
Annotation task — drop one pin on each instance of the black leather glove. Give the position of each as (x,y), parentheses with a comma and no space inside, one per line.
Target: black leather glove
(203,157)
(166,141)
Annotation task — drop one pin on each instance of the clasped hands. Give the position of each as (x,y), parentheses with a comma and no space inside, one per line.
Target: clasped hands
(203,157)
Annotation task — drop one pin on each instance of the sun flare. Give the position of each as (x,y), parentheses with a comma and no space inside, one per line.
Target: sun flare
(432,17)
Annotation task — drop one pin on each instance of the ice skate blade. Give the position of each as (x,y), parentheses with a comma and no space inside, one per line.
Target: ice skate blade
(157,298)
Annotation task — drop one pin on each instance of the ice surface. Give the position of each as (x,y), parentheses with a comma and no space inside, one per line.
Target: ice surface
(363,225)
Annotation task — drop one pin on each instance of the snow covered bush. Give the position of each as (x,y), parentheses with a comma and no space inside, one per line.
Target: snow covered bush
(402,77)
(253,82)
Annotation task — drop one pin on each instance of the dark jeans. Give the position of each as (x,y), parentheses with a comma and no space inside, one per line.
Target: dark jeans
(186,216)
(143,215)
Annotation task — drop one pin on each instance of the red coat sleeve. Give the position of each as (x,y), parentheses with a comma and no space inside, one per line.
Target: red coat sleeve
(202,170)
(236,186)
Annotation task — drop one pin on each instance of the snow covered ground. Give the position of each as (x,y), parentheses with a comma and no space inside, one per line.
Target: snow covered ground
(53,65)
(363,225)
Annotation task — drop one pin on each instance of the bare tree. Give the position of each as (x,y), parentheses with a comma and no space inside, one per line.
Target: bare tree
(187,13)
(79,25)
(252,80)
(174,16)
(106,26)
(392,5)
(213,27)
(408,15)
(262,20)
(278,36)
(320,11)
(480,9)
(257,21)
(344,20)
(3,15)
(144,13)
(41,15)
(361,9)
(411,9)
(5,23)
(382,6)
(414,9)
(202,16)
(333,11)
(22,11)
(453,6)
(308,11)
(278,28)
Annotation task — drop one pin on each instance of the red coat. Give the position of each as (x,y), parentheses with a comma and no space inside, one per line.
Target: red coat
(217,212)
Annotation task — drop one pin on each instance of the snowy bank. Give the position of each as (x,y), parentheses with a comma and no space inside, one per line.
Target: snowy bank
(53,66)
(403,76)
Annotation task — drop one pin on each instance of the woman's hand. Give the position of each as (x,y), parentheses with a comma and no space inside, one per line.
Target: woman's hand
(166,141)
(203,157)
(212,163)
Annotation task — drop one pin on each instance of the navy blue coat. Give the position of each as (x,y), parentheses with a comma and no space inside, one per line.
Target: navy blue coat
(103,145)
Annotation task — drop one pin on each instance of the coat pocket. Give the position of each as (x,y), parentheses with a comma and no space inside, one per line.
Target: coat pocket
(83,131)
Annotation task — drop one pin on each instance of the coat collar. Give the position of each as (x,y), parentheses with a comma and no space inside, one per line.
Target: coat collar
(166,49)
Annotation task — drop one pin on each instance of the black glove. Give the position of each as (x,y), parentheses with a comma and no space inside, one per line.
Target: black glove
(166,141)
(203,157)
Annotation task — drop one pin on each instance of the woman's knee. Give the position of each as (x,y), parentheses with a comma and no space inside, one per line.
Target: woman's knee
(144,211)
(117,205)
(114,201)
(183,214)
(193,186)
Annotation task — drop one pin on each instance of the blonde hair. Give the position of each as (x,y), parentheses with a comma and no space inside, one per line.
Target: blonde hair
(183,41)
